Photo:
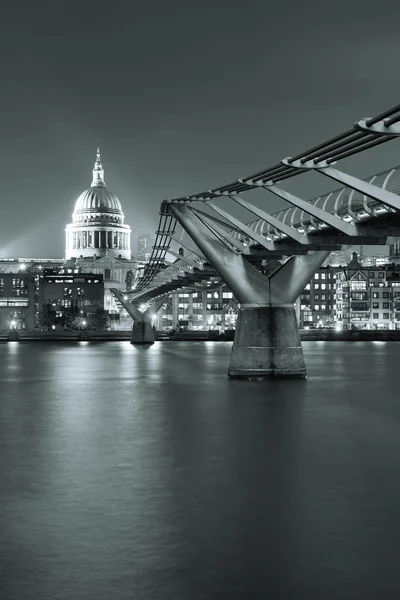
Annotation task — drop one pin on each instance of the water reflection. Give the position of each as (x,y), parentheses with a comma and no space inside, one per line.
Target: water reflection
(151,475)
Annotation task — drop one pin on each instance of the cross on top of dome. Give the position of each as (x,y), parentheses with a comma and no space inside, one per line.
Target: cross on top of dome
(98,172)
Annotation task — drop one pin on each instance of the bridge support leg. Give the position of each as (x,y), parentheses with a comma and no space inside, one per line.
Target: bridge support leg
(267,341)
(267,344)
(142,330)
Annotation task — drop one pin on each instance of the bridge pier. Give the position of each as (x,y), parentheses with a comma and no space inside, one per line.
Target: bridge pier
(267,344)
(142,333)
(267,340)
(142,329)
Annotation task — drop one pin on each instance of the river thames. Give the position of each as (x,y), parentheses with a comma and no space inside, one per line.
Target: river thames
(145,474)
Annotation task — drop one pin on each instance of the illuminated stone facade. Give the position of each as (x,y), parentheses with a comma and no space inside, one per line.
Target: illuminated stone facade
(97,227)
(98,241)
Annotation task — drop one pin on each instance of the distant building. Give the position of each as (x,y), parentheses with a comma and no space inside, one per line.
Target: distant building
(210,306)
(144,247)
(16,301)
(394,252)
(368,297)
(316,304)
(374,261)
(68,299)
(338,258)
(98,241)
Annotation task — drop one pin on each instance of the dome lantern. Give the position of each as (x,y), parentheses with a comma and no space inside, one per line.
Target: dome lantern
(98,172)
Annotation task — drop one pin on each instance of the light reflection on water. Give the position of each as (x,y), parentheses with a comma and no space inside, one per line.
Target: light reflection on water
(145,473)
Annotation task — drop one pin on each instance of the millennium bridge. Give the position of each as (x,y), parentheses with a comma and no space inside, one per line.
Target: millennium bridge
(267,341)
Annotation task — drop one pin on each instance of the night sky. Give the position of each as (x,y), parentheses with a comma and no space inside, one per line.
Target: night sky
(181,96)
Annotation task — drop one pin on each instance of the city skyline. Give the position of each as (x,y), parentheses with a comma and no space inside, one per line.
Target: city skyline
(172,113)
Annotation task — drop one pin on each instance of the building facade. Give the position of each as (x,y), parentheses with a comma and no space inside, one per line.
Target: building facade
(368,297)
(69,299)
(16,301)
(144,247)
(98,241)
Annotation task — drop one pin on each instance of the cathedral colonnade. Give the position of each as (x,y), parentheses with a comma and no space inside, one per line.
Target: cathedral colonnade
(97,238)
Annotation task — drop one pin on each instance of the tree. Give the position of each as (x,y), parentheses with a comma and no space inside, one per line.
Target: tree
(100,320)
(47,316)
(71,320)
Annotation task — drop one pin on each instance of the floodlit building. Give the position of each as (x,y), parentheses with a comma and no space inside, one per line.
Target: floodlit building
(98,240)
(16,301)
(144,247)
(69,299)
(368,297)
(209,306)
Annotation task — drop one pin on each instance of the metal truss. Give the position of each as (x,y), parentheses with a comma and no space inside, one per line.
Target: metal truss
(363,211)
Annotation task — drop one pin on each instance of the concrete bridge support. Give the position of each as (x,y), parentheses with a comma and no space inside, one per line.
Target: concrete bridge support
(267,341)
(142,329)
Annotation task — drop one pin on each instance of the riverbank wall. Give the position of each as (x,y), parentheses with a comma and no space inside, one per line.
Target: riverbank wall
(196,336)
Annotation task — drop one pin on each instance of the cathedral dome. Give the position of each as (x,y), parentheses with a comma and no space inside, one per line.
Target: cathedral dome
(97,227)
(97,199)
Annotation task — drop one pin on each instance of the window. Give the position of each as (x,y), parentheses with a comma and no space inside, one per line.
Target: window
(372,275)
(316,276)
(381,275)
(209,295)
(323,275)
(316,296)
(385,294)
(375,294)
(323,296)
(385,305)
(227,295)
(358,285)
(107,273)
(323,286)
(375,315)
(386,316)
(323,307)
(316,307)
(316,286)
(375,305)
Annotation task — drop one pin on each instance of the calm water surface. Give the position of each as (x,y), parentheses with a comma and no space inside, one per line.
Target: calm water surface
(140,474)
